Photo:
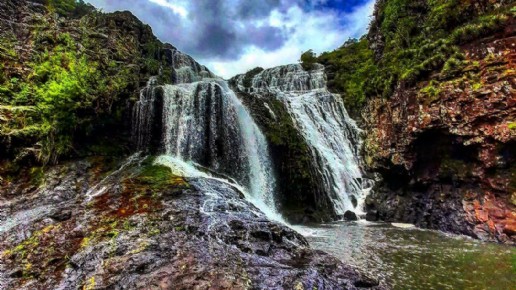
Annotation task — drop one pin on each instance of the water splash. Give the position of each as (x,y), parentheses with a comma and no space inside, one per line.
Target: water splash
(195,172)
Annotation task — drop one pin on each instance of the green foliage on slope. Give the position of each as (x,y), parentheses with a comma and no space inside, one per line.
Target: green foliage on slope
(65,82)
(407,42)
(351,69)
(63,91)
(72,8)
(61,83)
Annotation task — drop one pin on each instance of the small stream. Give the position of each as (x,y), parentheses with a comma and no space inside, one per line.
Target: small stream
(411,258)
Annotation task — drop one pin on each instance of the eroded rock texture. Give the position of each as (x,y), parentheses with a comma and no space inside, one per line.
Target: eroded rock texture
(448,158)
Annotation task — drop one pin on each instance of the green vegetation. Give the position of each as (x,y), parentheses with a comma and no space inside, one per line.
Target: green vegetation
(64,90)
(159,177)
(73,8)
(308,59)
(61,85)
(351,68)
(407,42)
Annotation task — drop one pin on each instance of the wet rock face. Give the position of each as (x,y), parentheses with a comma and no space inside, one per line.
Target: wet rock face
(447,160)
(143,227)
(350,216)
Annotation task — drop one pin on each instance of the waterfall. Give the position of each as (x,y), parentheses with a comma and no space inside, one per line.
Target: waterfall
(322,120)
(143,115)
(206,123)
(207,131)
(332,137)
(200,122)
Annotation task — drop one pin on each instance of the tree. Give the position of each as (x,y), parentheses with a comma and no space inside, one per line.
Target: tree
(308,59)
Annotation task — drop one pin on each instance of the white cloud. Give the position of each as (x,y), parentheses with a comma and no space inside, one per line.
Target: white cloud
(178,9)
(231,38)
(317,30)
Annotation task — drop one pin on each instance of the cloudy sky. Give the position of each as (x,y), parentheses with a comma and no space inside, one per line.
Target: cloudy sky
(233,36)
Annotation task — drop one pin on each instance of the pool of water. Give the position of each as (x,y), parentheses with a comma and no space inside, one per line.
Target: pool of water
(411,258)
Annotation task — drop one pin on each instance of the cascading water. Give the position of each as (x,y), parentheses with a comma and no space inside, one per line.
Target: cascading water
(185,68)
(329,131)
(205,123)
(143,115)
(200,120)
(333,137)
(206,131)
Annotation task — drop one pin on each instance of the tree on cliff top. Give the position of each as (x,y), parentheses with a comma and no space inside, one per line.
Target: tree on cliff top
(308,59)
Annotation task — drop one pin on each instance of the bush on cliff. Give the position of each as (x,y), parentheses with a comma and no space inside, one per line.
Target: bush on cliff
(308,59)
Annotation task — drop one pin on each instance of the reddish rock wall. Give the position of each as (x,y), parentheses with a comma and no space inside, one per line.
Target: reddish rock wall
(461,136)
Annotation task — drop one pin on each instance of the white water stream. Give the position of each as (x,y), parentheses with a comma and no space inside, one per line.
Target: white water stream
(322,119)
(206,126)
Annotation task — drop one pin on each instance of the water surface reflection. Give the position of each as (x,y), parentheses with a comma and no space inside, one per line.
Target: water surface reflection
(417,259)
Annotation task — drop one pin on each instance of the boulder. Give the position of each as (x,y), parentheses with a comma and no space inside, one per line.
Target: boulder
(350,216)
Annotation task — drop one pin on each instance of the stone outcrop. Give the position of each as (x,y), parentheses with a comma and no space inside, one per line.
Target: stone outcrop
(135,225)
(447,158)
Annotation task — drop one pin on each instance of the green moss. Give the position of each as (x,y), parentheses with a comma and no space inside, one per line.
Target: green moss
(477,86)
(430,93)
(30,251)
(432,89)
(142,246)
(89,284)
(159,177)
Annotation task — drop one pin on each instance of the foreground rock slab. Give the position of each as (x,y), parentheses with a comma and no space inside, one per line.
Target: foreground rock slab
(85,225)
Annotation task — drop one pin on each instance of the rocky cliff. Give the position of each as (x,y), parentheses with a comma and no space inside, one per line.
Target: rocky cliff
(450,157)
(441,134)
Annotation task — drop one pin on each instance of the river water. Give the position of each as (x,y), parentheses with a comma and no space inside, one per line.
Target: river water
(411,258)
